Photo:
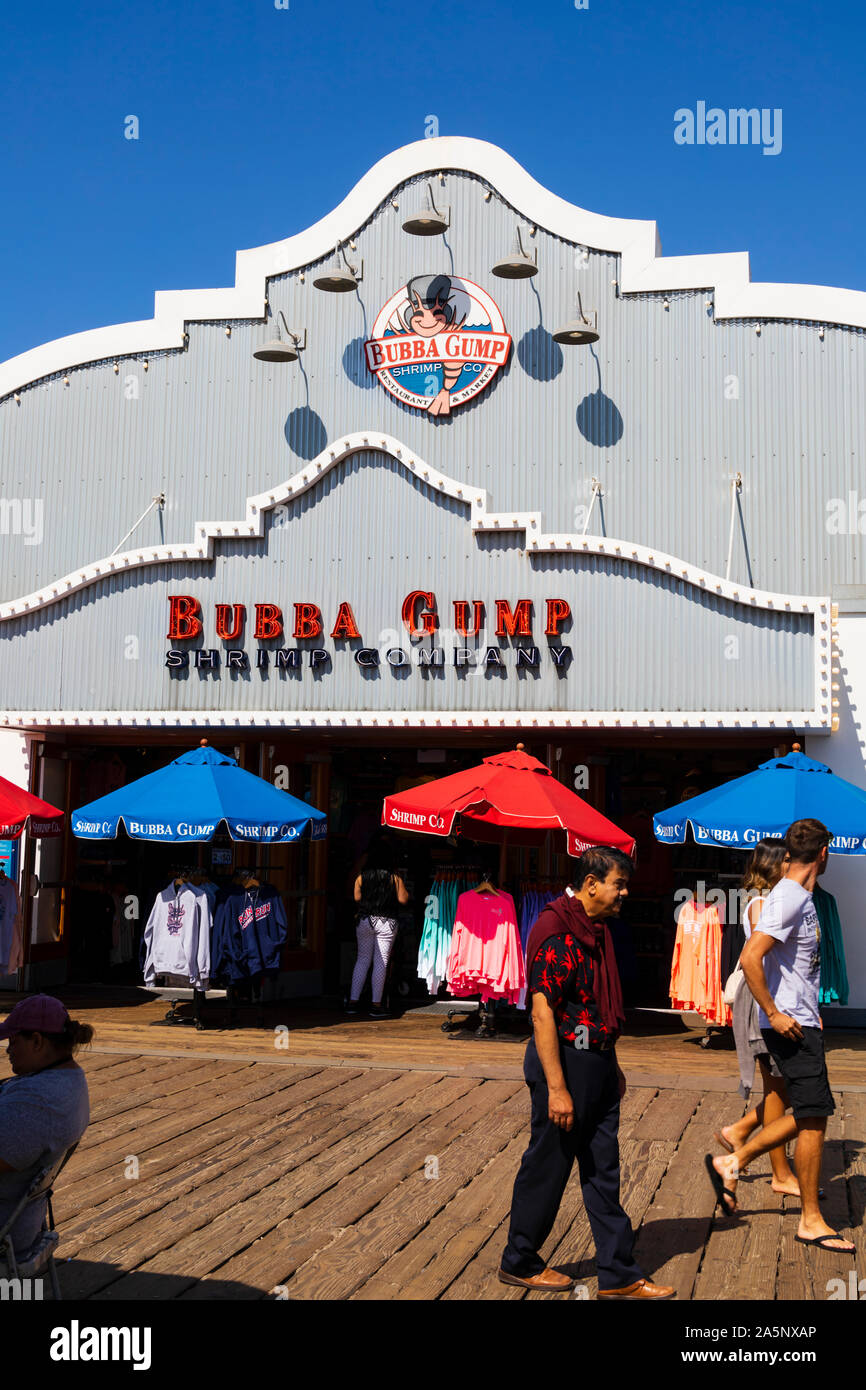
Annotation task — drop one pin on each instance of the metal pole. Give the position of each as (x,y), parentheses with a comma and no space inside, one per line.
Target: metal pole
(736,484)
(156,502)
(596,492)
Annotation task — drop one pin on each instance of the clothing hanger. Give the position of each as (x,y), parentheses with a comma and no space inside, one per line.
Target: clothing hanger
(485,886)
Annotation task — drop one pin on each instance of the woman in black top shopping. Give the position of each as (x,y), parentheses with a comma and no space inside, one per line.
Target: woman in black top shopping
(379,893)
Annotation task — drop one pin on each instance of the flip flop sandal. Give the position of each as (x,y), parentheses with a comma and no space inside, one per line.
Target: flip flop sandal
(724,1198)
(821,1242)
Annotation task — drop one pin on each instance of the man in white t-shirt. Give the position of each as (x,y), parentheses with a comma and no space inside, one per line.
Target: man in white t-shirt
(782,965)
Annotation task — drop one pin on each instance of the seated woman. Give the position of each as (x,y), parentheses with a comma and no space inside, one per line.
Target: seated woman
(44,1107)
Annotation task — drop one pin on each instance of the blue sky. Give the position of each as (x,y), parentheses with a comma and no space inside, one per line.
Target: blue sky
(256,121)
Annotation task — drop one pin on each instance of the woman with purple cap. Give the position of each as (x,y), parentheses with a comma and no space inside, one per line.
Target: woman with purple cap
(44,1107)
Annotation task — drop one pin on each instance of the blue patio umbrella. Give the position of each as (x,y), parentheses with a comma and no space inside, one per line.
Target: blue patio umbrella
(739,813)
(185,802)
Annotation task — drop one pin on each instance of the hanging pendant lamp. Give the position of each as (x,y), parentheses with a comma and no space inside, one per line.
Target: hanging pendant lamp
(582,329)
(278,351)
(339,277)
(429,221)
(517,266)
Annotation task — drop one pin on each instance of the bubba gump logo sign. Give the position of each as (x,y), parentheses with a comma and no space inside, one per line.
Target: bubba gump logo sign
(438,342)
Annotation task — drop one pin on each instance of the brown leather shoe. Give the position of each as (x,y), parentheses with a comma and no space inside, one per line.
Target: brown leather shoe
(548,1281)
(642,1289)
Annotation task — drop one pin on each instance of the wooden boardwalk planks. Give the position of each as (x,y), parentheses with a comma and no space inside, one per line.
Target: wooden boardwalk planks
(160,1142)
(296,1113)
(229,1227)
(322,1179)
(320,1217)
(206,1191)
(123,1019)
(677,1224)
(438,1254)
(338,1270)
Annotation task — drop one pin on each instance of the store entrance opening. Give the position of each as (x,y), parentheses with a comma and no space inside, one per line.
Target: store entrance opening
(103,891)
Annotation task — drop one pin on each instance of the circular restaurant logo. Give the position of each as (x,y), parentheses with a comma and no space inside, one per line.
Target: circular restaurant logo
(438,342)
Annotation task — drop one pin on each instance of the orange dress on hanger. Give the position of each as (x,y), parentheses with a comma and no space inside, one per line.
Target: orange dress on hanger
(696,970)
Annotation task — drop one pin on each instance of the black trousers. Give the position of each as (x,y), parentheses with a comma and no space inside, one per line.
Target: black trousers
(544,1170)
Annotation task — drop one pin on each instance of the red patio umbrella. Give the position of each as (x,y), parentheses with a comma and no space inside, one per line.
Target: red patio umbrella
(18,806)
(507,792)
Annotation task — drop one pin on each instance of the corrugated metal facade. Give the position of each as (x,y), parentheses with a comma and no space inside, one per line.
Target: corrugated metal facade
(663,410)
(647,632)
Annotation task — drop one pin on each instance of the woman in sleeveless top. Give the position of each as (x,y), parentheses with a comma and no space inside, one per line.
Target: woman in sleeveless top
(763,872)
(379,893)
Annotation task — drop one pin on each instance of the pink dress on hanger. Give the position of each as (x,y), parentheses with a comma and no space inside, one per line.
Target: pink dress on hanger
(486,957)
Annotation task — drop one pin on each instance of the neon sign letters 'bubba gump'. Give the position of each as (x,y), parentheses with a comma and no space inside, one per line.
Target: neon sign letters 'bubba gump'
(419,615)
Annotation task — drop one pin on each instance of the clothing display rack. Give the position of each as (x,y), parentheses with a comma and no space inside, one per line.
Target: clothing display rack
(176,994)
(494,959)
(239,997)
(721,1035)
(445,889)
(697,978)
(244,996)
(483,1016)
(533,894)
(441,904)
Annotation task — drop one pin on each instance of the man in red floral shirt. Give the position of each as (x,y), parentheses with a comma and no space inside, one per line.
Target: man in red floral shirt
(575,1085)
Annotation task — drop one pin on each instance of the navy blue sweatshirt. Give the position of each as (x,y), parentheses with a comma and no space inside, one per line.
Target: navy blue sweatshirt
(249,933)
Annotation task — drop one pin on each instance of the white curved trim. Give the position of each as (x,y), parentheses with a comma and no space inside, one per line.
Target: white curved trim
(481,520)
(341,721)
(642,268)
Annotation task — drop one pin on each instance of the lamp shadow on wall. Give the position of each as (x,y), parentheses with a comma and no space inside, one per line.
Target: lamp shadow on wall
(598,417)
(354,357)
(305,431)
(355,365)
(538,353)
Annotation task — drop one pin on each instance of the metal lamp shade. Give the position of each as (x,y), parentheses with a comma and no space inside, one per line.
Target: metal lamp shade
(275,351)
(578,331)
(429,221)
(336,278)
(426,224)
(517,266)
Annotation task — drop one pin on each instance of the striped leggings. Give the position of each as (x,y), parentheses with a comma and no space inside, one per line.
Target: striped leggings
(375,941)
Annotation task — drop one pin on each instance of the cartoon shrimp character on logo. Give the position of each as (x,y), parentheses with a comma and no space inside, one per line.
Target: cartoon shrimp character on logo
(429,309)
(437,343)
